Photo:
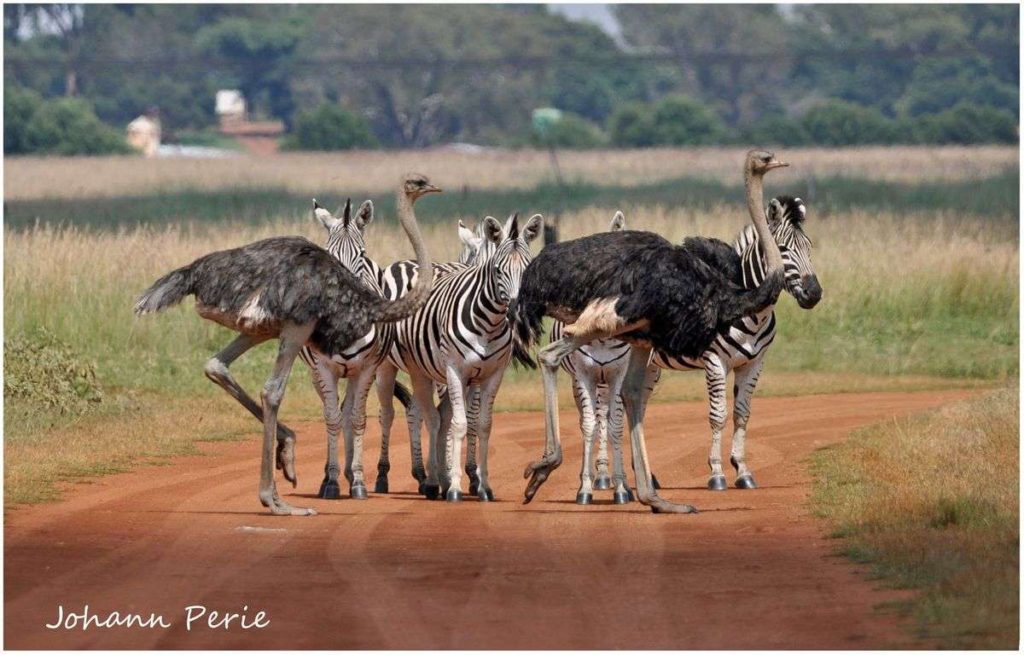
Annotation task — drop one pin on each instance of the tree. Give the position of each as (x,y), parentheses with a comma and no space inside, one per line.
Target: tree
(680,121)
(839,123)
(632,126)
(330,127)
(68,126)
(571,131)
(20,105)
(967,123)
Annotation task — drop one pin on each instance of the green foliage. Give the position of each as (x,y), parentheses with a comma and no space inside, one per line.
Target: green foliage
(20,105)
(632,126)
(680,121)
(571,131)
(42,370)
(67,126)
(330,127)
(940,84)
(839,123)
(967,123)
(777,130)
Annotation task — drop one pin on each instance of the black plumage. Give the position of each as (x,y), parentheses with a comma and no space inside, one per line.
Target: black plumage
(263,285)
(686,293)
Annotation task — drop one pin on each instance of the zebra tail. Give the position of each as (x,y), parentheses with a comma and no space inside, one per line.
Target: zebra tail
(403,395)
(165,292)
(527,320)
(521,355)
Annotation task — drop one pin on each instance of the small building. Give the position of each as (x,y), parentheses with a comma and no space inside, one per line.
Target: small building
(230,107)
(143,133)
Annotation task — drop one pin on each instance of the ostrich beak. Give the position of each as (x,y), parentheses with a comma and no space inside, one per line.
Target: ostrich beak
(775,163)
(430,188)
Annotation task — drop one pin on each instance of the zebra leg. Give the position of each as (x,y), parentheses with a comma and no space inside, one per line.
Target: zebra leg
(633,399)
(292,338)
(354,423)
(472,430)
(715,374)
(456,433)
(217,370)
(326,383)
(616,414)
(386,417)
(602,480)
(746,382)
(485,411)
(444,409)
(423,389)
(585,392)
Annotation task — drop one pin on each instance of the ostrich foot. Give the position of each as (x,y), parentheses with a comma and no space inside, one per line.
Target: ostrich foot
(659,505)
(746,481)
(358,491)
(278,507)
(538,472)
(381,486)
(717,483)
(602,483)
(286,457)
(584,499)
(453,496)
(329,490)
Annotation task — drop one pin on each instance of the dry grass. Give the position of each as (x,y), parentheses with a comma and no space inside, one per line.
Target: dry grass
(932,503)
(376,171)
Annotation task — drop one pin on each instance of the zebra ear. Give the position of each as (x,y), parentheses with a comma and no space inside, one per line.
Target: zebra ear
(618,223)
(533,228)
(492,230)
(365,214)
(323,216)
(774,211)
(466,235)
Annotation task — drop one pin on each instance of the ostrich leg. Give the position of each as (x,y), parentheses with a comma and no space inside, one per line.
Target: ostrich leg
(353,421)
(292,338)
(746,382)
(633,399)
(488,391)
(217,370)
(585,393)
(716,373)
(326,383)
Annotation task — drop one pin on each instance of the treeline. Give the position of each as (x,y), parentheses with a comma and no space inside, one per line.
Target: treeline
(347,76)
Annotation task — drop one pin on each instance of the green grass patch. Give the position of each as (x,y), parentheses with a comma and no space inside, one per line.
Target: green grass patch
(931,503)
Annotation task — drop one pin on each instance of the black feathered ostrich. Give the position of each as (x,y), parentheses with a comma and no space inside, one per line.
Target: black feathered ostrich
(293,290)
(640,288)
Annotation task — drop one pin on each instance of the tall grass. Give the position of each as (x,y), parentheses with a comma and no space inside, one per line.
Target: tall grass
(308,174)
(932,503)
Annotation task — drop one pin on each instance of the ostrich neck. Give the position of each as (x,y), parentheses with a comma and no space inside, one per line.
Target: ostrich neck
(408,220)
(755,204)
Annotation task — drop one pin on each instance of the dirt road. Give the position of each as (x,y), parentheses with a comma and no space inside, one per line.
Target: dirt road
(752,570)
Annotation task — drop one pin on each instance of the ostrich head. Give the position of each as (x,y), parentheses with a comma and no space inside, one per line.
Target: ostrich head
(416,186)
(511,253)
(786,216)
(345,234)
(760,162)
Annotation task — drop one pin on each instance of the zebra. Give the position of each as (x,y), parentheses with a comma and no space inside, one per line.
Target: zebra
(598,371)
(461,339)
(741,347)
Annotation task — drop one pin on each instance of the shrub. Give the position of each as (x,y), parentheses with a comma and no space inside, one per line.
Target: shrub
(68,126)
(19,107)
(44,371)
(839,123)
(632,126)
(967,123)
(571,131)
(330,127)
(680,121)
(777,130)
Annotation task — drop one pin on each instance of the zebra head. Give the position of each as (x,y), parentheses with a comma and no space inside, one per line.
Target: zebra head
(511,253)
(345,234)
(786,217)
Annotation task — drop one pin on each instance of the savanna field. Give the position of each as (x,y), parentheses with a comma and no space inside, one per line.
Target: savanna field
(916,248)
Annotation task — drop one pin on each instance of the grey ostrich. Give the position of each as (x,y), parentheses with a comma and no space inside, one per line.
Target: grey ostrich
(641,288)
(293,290)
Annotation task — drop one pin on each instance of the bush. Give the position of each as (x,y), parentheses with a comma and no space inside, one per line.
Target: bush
(633,126)
(572,131)
(19,107)
(777,130)
(680,121)
(839,123)
(44,371)
(68,126)
(330,127)
(967,123)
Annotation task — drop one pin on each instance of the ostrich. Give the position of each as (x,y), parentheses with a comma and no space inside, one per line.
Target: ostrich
(290,289)
(638,287)
(597,371)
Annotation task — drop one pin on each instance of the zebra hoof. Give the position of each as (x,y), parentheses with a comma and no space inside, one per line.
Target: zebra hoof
(602,483)
(329,490)
(485,495)
(746,482)
(654,482)
(431,491)
(381,486)
(622,497)
(717,483)
(358,492)
(454,496)
(584,499)
(474,489)
(629,494)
